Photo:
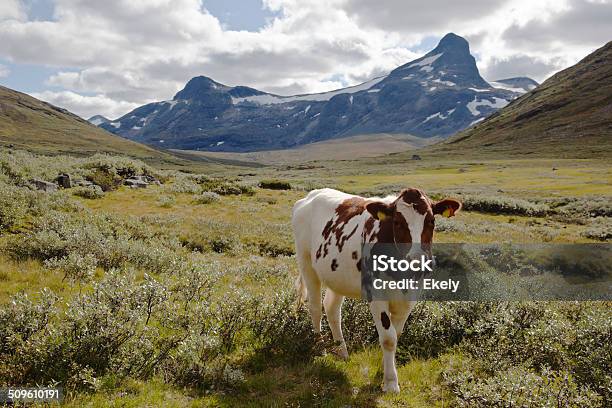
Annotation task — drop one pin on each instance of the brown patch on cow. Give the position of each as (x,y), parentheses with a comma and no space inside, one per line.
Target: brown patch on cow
(428,229)
(384,319)
(328,228)
(394,230)
(341,239)
(319,251)
(417,199)
(325,251)
(334,265)
(345,211)
(354,254)
(367,228)
(359,265)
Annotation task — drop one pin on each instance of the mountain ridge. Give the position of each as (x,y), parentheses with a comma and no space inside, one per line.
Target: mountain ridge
(569,113)
(437,94)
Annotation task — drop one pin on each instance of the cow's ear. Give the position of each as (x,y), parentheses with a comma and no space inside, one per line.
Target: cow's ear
(379,210)
(447,207)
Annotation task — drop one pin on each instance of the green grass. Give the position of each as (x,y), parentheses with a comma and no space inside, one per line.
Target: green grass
(264,218)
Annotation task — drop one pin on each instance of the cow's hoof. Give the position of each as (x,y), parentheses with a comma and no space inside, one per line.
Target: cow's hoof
(391,387)
(341,352)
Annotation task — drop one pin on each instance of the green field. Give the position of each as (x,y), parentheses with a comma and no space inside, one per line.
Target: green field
(173,296)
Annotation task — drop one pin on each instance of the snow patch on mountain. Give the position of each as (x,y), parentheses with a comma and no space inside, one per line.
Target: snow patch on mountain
(426,61)
(497,103)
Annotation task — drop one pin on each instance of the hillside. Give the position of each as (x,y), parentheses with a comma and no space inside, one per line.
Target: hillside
(30,124)
(569,115)
(346,148)
(438,94)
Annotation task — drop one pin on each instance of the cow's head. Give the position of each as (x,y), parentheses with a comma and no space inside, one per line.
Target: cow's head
(410,218)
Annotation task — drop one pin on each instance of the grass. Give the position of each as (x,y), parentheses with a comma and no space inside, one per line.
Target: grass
(263,219)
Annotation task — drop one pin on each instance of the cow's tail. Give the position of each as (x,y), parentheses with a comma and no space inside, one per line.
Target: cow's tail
(300,289)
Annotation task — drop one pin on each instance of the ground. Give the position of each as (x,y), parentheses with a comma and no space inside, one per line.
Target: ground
(265,217)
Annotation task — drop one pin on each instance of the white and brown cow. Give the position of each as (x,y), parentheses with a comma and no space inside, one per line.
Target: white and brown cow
(330,227)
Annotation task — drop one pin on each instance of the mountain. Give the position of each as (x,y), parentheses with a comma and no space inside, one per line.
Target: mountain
(435,95)
(518,84)
(97,120)
(570,114)
(30,124)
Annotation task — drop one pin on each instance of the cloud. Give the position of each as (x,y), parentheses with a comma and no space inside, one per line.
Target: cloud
(11,10)
(128,52)
(517,65)
(86,106)
(414,18)
(4,71)
(581,23)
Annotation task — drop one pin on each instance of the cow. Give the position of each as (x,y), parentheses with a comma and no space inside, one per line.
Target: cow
(329,229)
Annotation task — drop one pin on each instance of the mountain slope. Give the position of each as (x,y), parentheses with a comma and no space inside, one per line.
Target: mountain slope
(517,84)
(570,112)
(97,120)
(435,95)
(31,124)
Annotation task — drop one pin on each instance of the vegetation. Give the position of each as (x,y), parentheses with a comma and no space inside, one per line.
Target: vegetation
(144,295)
(275,184)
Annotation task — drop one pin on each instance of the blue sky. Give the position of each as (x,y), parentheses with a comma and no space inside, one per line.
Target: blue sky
(108,57)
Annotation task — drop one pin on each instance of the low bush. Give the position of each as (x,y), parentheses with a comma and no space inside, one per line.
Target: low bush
(89,192)
(273,184)
(208,197)
(267,248)
(503,205)
(13,206)
(599,228)
(166,201)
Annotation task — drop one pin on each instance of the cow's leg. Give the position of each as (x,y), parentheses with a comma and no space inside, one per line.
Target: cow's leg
(387,337)
(399,314)
(313,289)
(333,311)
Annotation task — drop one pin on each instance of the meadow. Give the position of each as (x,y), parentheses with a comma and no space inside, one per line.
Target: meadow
(181,294)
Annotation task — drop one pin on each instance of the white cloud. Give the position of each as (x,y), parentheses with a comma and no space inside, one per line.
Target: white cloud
(11,10)
(129,52)
(86,106)
(4,71)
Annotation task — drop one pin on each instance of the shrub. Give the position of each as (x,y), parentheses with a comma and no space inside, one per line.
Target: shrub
(267,248)
(76,268)
(105,178)
(89,192)
(520,387)
(166,201)
(184,185)
(272,184)
(600,229)
(13,206)
(503,205)
(208,197)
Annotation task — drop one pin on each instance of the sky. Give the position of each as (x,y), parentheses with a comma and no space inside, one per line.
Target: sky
(109,57)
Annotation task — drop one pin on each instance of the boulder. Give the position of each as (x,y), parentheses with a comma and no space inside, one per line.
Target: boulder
(44,185)
(416,157)
(83,183)
(135,182)
(64,180)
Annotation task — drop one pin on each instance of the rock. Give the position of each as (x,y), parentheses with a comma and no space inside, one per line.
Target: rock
(64,180)
(135,182)
(416,157)
(44,185)
(83,183)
